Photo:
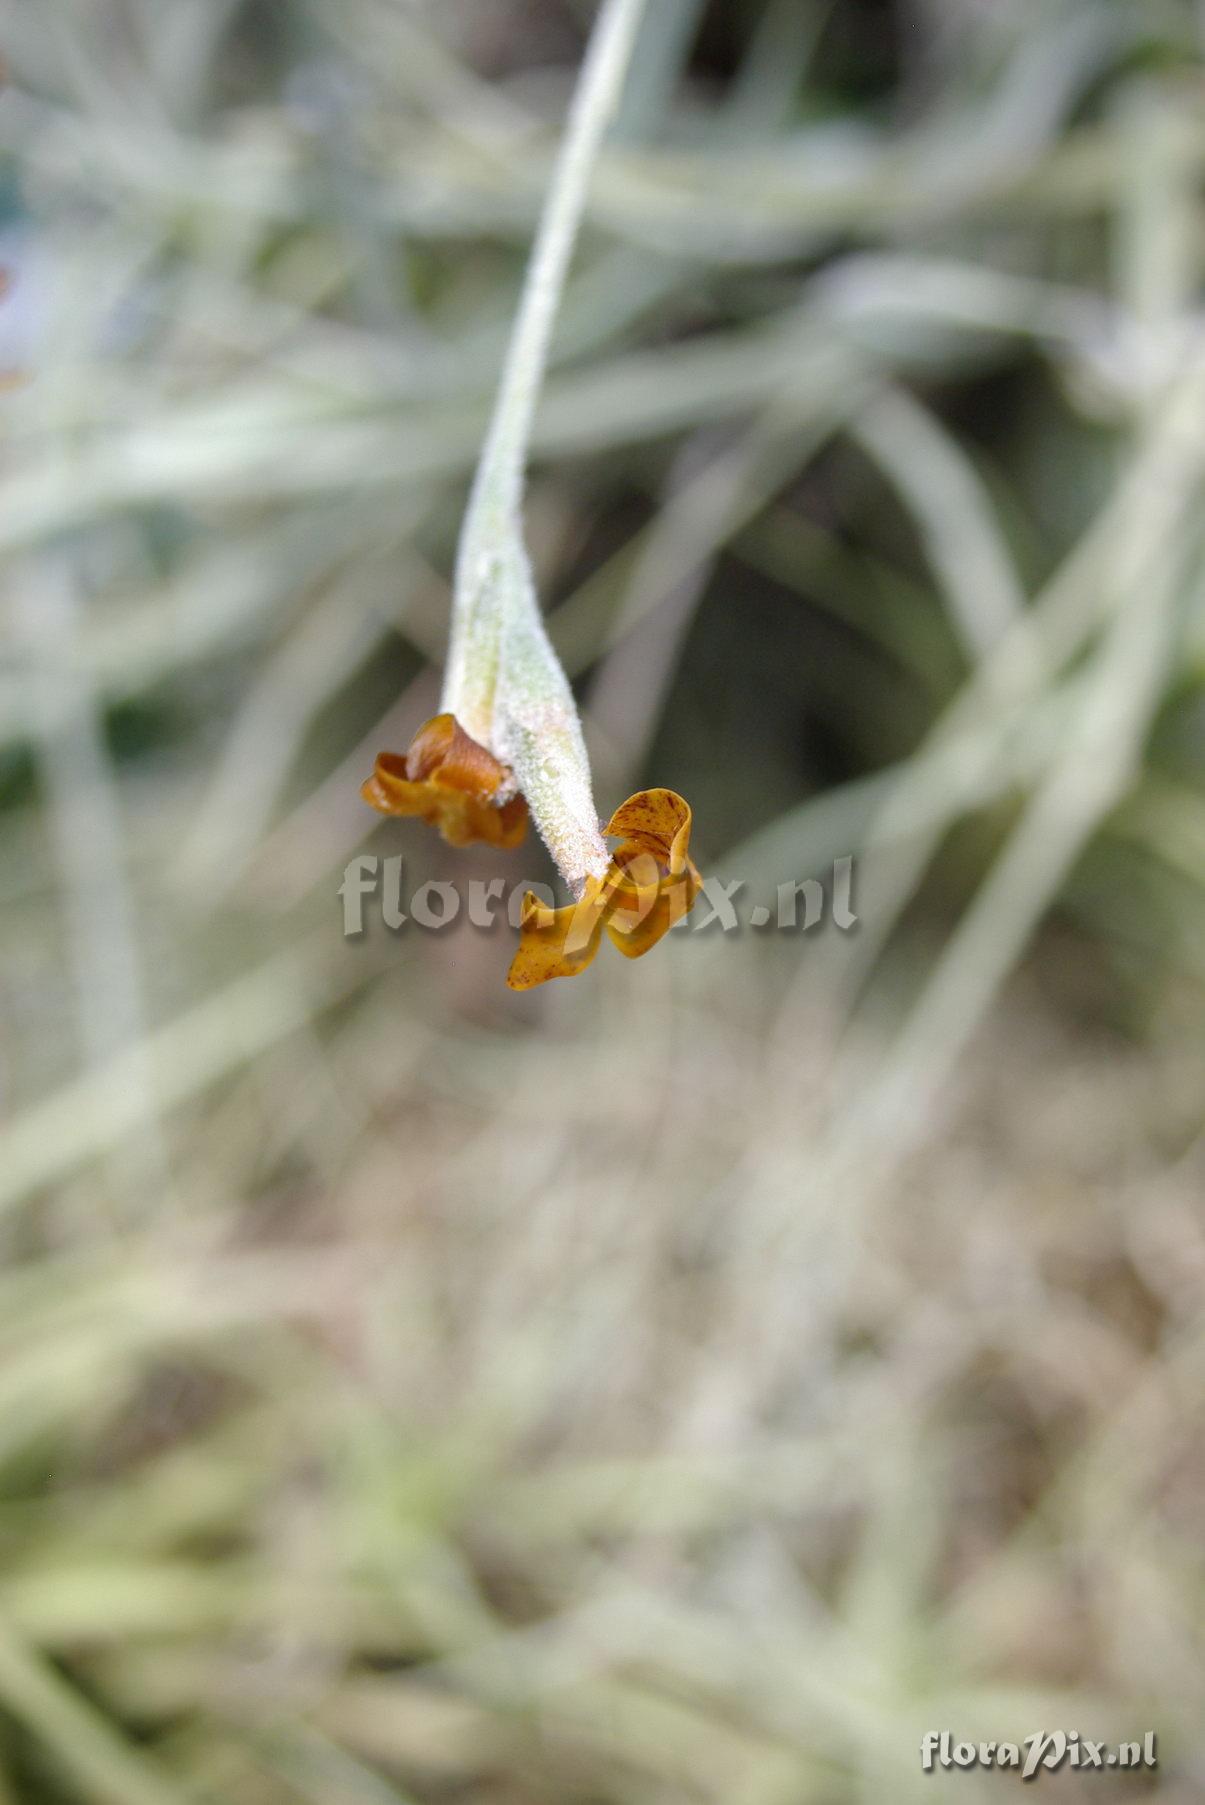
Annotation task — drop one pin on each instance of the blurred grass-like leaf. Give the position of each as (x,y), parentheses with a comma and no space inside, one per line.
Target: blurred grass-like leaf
(409,1392)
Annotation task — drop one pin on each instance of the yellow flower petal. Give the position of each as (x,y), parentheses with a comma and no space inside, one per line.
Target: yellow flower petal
(636,931)
(449,780)
(650,884)
(657,822)
(557,943)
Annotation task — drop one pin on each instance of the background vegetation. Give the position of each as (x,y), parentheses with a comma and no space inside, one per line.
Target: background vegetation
(692,1383)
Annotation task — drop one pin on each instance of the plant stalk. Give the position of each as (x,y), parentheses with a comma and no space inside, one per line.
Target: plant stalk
(519,713)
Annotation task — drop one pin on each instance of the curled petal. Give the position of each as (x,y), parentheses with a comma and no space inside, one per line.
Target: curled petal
(645,911)
(448,779)
(441,749)
(656,822)
(650,884)
(557,943)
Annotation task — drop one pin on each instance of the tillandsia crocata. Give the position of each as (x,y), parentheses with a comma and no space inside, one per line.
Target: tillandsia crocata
(507,740)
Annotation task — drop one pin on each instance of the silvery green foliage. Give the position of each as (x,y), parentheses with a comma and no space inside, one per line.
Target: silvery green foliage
(504,682)
(538,734)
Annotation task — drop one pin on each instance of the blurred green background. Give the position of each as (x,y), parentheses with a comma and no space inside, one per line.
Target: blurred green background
(692,1383)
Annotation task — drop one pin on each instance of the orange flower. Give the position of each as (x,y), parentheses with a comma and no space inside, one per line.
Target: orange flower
(451,781)
(650,884)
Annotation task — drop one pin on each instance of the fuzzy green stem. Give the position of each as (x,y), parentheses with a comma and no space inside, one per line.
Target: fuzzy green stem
(494,601)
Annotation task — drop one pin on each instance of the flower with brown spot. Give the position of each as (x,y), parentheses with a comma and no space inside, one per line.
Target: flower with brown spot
(651,883)
(454,783)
